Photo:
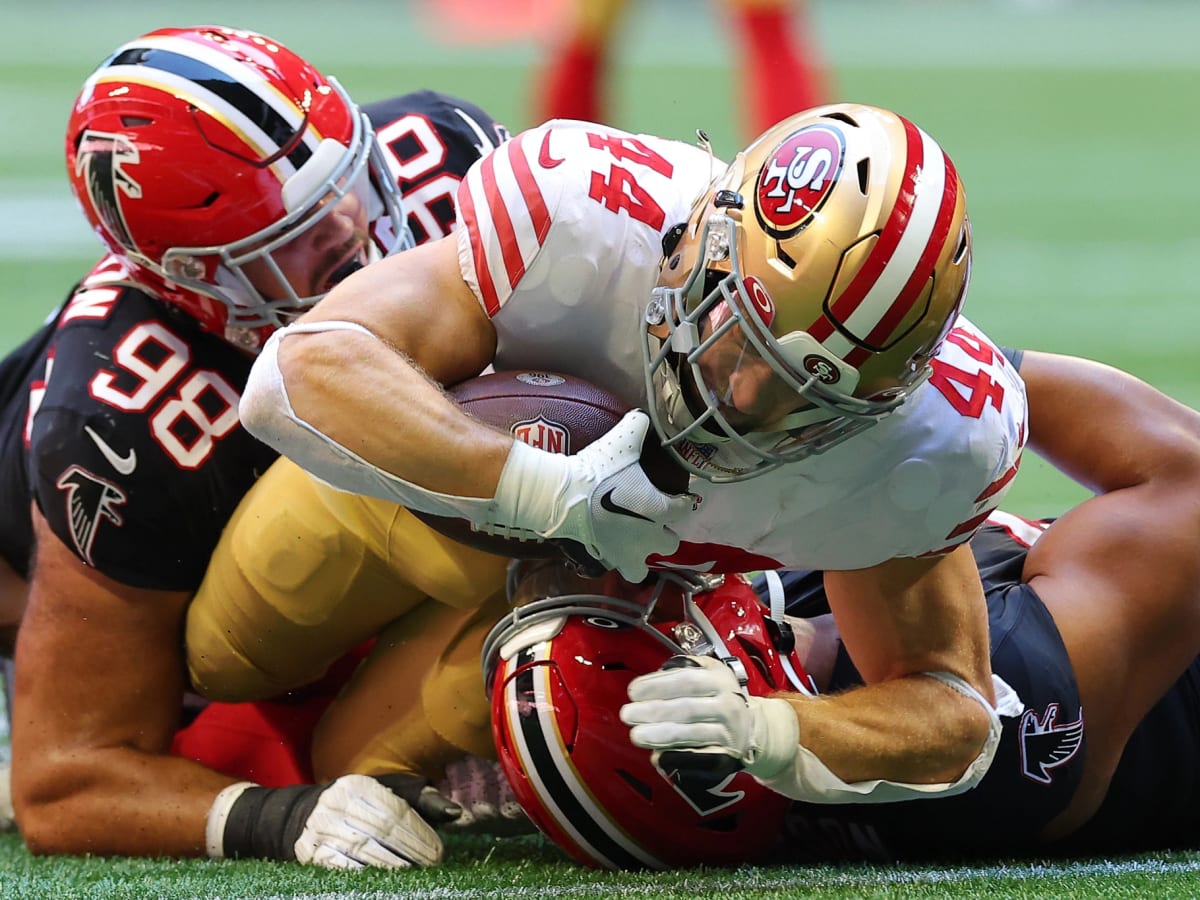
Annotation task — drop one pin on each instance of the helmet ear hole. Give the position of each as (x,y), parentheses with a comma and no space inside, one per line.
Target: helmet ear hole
(964,245)
(864,175)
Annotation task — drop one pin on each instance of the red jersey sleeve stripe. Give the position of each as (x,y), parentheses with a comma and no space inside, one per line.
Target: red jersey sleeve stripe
(470,219)
(506,236)
(535,202)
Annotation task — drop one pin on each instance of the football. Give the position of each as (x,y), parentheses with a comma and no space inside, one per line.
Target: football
(553,412)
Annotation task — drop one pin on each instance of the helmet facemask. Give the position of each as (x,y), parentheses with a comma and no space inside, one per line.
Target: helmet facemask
(729,399)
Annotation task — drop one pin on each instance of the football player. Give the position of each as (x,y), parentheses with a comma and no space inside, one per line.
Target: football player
(1094,620)
(233,185)
(791,325)
(778,64)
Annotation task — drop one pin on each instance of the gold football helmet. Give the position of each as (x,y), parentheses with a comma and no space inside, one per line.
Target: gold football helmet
(806,294)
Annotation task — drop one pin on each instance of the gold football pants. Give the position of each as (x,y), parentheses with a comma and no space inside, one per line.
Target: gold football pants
(304,574)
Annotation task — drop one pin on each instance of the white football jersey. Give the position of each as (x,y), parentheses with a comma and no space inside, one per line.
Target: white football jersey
(560,236)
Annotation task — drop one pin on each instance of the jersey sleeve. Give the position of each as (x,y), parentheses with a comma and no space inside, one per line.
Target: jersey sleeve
(587,198)
(978,391)
(505,212)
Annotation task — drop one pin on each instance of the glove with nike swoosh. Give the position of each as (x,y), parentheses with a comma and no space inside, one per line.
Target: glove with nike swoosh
(352,822)
(600,498)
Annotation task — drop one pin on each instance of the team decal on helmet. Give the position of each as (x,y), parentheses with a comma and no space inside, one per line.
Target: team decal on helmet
(101,162)
(796,180)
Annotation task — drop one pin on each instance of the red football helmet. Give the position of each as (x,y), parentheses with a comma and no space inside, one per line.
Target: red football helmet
(558,670)
(195,152)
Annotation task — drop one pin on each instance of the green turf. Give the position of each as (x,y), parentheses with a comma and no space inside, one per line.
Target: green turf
(529,867)
(1074,126)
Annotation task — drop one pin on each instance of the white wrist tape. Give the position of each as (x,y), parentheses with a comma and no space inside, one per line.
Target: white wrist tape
(529,492)
(218,813)
(776,736)
(810,780)
(267,413)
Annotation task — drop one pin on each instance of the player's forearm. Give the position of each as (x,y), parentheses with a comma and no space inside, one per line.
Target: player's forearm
(115,801)
(353,411)
(912,730)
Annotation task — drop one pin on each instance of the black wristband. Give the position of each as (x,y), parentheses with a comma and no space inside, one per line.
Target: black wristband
(265,823)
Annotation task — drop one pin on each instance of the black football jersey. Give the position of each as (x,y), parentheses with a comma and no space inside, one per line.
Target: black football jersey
(1038,763)
(120,414)
(430,140)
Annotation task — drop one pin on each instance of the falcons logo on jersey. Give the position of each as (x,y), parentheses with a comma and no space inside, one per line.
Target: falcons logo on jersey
(102,160)
(90,500)
(1045,744)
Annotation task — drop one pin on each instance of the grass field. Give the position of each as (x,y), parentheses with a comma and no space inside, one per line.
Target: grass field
(1074,125)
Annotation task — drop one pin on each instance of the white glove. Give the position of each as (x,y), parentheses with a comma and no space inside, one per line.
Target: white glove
(695,704)
(488,803)
(600,498)
(350,823)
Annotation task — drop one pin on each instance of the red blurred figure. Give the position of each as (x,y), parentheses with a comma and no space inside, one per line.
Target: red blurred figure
(781,72)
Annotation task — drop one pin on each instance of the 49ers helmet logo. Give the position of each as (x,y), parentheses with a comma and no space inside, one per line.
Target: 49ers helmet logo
(797,179)
(102,159)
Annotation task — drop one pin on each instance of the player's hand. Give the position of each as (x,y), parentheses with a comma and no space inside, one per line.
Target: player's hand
(350,823)
(600,498)
(488,803)
(697,716)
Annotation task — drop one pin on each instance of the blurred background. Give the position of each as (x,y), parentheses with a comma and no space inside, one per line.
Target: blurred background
(1075,125)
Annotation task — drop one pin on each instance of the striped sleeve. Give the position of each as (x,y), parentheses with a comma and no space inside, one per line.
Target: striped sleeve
(503,218)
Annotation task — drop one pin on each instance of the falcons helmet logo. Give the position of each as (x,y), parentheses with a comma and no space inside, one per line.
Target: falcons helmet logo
(102,162)
(1045,744)
(89,501)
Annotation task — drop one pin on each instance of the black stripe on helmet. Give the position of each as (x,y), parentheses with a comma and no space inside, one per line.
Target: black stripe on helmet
(232,91)
(541,746)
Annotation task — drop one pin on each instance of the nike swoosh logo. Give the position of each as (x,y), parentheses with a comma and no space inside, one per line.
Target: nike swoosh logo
(123,464)
(545,160)
(606,501)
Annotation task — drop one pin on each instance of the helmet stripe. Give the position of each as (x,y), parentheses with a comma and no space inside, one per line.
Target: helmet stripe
(891,278)
(919,277)
(547,764)
(217,82)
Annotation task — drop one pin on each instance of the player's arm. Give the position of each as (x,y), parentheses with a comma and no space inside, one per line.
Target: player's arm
(924,724)
(379,393)
(97,701)
(900,620)
(1120,572)
(100,677)
(352,393)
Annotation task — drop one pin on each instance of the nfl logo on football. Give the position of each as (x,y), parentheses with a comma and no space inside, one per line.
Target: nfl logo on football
(543,434)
